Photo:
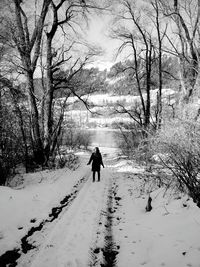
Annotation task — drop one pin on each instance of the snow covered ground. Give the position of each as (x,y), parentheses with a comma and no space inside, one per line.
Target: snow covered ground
(28,204)
(97,224)
(167,236)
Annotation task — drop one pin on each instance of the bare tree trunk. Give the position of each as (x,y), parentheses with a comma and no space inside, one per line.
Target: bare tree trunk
(48,109)
(48,116)
(159,96)
(29,51)
(187,22)
(148,84)
(43,97)
(137,76)
(148,46)
(35,127)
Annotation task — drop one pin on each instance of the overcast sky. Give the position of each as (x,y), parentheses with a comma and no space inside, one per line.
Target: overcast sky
(98,33)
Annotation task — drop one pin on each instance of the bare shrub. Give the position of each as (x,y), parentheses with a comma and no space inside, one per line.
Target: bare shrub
(77,138)
(177,145)
(70,161)
(143,152)
(133,141)
(64,160)
(128,139)
(83,139)
(11,145)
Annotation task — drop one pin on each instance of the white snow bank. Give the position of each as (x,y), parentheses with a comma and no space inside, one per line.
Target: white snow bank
(128,166)
(41,191)
(167,236)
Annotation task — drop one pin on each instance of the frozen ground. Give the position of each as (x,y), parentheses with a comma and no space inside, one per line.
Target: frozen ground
(60,218)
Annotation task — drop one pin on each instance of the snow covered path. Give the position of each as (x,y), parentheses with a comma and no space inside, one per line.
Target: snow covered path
(86,224)
(69,242)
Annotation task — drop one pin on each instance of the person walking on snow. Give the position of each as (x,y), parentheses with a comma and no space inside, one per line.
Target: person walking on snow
(96,160)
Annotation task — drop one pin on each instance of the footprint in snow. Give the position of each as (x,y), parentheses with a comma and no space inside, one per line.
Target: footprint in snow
(1,235)
(143,263)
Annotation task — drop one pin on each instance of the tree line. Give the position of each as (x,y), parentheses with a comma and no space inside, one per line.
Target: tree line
(45,39)
(149,32)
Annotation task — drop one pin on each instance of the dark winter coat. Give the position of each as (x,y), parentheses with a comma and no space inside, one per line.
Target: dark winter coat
(96,160)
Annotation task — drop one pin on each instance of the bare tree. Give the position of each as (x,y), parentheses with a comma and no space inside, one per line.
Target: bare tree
(51,19)
(140,42)
(28,46)
(185,15)
(160,36)
(57,57)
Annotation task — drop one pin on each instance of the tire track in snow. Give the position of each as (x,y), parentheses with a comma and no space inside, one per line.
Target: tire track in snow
(110,249)
(69,242)
(10,258)
(95,253)
(104,250)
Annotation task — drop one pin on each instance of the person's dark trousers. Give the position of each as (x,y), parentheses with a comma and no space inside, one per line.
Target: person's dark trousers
(98,172)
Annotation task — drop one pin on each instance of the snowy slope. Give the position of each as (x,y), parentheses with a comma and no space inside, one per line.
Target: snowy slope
(167,236)
(18,207)
(105,224)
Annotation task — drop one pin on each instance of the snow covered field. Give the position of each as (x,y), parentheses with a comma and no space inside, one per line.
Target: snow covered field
(104,103)
(71,221)
(102,99)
